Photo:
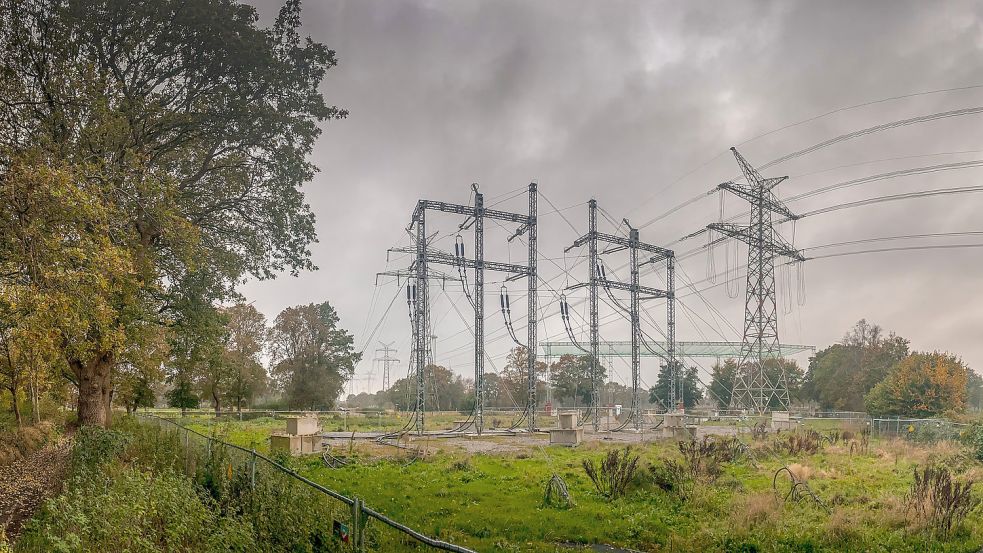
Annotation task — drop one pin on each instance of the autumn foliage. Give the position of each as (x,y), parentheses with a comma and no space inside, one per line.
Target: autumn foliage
(921,385)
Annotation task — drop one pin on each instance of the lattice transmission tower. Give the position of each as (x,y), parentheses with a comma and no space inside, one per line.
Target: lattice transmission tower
(388,361)
(598,279)
(754,389)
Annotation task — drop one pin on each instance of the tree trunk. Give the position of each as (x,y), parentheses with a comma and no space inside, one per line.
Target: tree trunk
(14,407)
(108,395)
(218,403)
(35,408)
(94,388)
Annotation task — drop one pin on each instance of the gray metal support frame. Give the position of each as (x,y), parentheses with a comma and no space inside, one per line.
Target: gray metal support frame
(676,388)
(532,306)
(479,311)
(421,319)
(595,393)
(636,332)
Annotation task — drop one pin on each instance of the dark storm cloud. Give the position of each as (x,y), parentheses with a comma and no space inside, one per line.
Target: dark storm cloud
(617,100)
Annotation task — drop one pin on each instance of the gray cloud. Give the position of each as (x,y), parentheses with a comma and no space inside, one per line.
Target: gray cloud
(617,100)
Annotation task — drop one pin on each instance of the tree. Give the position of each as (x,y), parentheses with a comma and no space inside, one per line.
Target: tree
(571,378)
(921,385)
(245,338)
(515,377)
(841,375)
(692,393)
(313,356)
(182,395)
(974,391)
(722,382)
(182,131)
(134,391)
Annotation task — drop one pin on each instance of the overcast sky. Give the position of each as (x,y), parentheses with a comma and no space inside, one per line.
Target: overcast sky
(635,104)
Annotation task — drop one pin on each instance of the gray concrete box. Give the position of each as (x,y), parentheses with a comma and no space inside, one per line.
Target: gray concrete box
(568,421)
(296,445)
(302,425)
(566,436)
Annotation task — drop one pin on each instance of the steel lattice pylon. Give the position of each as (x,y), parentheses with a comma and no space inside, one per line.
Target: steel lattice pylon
(753,388)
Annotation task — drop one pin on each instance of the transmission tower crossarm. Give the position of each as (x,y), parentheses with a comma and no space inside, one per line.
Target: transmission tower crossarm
(775,244)
(626,243)
(768,201)
(471,211)
(447,259)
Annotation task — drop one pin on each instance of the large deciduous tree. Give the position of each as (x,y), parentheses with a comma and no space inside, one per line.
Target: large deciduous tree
(841,375)
(169,139)
(571,379)
(245,340)
(313,356)
(921,385)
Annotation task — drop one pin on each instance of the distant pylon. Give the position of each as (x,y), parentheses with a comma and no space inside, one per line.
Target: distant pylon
(753,389)
(387,362)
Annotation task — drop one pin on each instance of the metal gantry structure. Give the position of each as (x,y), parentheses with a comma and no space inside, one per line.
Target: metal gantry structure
(387,361)
(424,255)
(754,389)
(637,292)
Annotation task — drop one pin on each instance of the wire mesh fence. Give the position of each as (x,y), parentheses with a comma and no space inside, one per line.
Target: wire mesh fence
(919,430)
(287,511)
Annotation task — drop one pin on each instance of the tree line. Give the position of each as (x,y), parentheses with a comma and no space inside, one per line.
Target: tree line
(872,371)
(152,156)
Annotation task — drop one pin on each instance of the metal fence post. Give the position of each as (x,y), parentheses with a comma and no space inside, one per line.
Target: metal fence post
(358,526)
(252,471)
(187,451)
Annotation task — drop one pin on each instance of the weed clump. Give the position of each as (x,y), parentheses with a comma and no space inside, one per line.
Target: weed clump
(557,494)
(614,472)
(704,459)
(937,501)
(673,478)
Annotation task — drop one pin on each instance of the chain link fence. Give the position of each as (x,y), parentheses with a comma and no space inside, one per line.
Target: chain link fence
(919,430)
(286,509)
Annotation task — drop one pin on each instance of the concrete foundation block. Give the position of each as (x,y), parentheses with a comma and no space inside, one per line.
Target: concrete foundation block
(296,445)
(303,425)
(679,432)
(568,421)
(566,436)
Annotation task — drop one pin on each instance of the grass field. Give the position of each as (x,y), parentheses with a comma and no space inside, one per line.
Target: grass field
(495,501)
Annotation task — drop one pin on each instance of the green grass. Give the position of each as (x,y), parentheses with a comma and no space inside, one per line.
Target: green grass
(495,502)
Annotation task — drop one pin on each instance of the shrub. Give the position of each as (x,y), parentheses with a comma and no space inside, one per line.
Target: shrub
(798,443)
(673,478)
(704,459)
(557,494)
(133,511)
(615,472)
(95,446)
(934,499)
(974,439)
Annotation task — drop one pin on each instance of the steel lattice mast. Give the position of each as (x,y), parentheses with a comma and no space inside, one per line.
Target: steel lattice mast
(476,215)
(753,388)
(387,361)
(635,289)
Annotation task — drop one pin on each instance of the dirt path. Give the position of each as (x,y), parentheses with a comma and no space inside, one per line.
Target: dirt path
(26,483)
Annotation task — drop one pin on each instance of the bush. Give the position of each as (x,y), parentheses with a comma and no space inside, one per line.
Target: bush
(673,478)
(133,511)
(704,458)
(935,500)
(615,471)
(95,445)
